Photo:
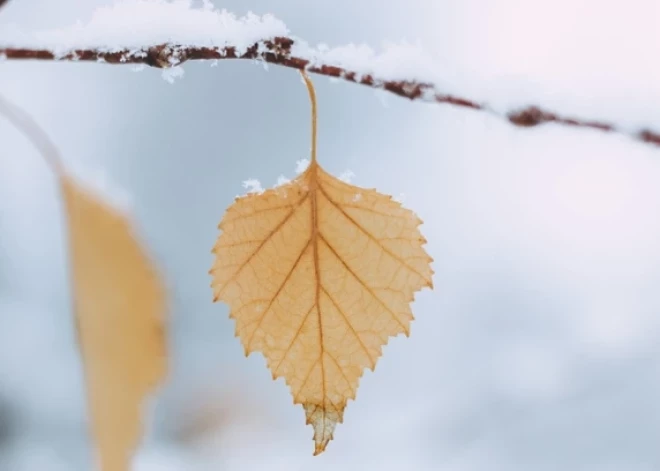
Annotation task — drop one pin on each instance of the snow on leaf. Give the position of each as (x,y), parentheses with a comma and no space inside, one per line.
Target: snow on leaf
(347,176)
(119,303)
(282,180)
(318,281)
(301,165)
(253,186)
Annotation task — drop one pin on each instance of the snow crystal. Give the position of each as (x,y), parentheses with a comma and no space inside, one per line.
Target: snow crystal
(281,180)
(347,176)
(172,73)
(301,165)
(122,25)
(402,61)
(253,185)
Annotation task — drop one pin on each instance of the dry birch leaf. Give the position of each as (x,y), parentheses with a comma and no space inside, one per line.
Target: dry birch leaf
(119,304)
(318,274)
(119,307)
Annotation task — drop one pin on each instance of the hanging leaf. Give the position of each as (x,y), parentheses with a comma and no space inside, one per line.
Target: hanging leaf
(119,303)
(318,275)
(119,307)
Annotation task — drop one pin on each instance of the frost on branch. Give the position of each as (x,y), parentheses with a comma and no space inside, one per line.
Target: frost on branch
(138,24)
(165,34)
(133,27)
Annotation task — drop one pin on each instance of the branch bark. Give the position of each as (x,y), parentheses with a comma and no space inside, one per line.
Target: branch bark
(279,51)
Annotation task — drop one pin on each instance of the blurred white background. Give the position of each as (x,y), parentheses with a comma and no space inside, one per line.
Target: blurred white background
(539,347)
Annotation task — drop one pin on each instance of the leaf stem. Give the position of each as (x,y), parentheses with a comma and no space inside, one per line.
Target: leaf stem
(22,121)
(312,100)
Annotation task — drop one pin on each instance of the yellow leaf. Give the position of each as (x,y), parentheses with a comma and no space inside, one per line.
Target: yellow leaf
(119,303)
(318,274)
(119,307)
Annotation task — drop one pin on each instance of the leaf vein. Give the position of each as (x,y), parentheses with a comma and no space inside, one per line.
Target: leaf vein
(341,370)
(275,230)
(279,290)
(295,336)
(364,285)
(370,235)
(304,383)
(242,217)
(399,217)
(350,326)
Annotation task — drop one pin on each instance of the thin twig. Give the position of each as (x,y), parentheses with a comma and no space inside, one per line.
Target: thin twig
(279,51)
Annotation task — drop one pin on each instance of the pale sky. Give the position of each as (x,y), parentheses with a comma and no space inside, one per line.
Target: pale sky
(539,347)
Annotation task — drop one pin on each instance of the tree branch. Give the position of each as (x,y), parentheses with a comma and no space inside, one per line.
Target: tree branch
(279,51)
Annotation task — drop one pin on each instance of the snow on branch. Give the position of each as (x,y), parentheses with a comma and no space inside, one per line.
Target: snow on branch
(165,34)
